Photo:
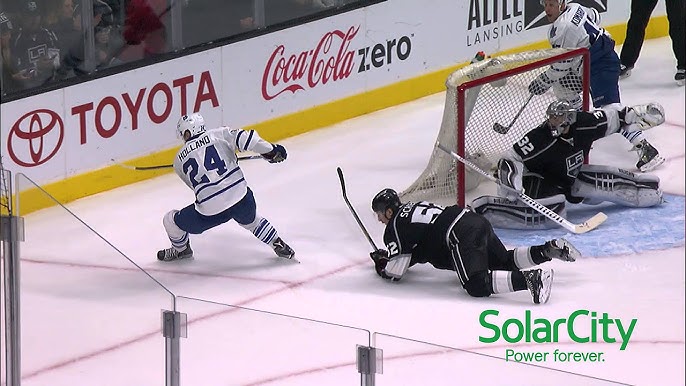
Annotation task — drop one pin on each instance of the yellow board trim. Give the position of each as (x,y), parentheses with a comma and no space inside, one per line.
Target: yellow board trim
(276,129)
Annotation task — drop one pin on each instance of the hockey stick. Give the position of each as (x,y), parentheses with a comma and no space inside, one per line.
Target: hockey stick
(352,210)
(498,128)
(154,167)
(584,227)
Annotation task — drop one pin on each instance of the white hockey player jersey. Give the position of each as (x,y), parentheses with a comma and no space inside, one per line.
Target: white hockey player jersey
(576,27)
(208,164)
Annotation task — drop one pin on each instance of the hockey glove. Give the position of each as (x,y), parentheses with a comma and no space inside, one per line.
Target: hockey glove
(380,259)
(278,154)
(540,85)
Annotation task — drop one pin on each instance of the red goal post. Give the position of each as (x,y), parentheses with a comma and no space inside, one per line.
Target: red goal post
(488,108)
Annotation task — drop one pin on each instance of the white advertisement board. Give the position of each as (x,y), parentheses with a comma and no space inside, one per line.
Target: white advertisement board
(56,135)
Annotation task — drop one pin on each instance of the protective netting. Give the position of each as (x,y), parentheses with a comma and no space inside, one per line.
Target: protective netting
(494,92)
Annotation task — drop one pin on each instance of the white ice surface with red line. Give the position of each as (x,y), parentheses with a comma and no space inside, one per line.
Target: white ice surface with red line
(90,318)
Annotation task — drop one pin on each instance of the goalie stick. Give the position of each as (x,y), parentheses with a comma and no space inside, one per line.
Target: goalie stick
(352,210)
(498,128)
(584,227)
(154,167)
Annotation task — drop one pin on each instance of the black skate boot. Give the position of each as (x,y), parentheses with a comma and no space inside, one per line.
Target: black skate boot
(624,71)
(282,249)
(171,254)
(540,282)
(561,249)
(648,156)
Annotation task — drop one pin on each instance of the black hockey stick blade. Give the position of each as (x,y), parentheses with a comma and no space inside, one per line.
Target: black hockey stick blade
(168,166)
(500,129)
(352,210)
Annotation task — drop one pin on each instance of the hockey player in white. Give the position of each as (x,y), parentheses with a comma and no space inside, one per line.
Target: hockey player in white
(575,26)
(207,163)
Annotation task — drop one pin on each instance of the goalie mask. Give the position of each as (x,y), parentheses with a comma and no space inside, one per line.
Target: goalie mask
(385,199)
(193,123)
(561,115)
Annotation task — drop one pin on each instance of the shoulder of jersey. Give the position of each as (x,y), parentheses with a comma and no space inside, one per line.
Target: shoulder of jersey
(540,135)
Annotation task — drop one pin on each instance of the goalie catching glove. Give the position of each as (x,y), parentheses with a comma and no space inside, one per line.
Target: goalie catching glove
(642,117)
(278,154)
(380,259)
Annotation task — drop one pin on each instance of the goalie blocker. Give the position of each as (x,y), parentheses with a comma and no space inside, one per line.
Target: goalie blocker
(594,184)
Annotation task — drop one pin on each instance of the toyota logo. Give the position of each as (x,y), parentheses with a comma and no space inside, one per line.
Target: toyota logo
(32,140)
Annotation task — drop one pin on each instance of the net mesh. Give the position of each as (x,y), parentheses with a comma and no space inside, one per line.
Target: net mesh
(494,91)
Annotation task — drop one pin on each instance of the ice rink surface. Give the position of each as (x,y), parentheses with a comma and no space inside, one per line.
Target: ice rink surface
(90,317)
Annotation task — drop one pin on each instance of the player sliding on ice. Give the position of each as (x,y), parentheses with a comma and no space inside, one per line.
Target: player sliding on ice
(207,164)
(548,163)
(457,239)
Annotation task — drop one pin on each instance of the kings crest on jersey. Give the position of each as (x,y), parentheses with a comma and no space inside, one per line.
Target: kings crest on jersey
(561,157)
(207,163)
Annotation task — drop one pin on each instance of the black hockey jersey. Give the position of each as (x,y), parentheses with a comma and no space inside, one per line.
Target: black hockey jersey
(29,46)
(558,159)
(417,234)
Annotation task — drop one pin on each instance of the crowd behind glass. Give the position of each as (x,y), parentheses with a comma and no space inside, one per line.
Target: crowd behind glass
(47,42)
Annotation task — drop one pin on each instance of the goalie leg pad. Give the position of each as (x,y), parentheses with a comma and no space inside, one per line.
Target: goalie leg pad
(598,183)
(643,117)
(505,214)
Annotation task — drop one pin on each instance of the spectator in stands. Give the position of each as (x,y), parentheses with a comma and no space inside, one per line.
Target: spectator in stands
(144,27)
(118,11)
(71,42)
(58,17)
(9,84)
(105,47)
(35,52)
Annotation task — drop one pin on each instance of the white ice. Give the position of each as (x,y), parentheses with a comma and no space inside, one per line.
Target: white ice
(89,317)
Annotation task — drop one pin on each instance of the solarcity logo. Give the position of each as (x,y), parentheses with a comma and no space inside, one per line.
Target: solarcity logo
(582,326)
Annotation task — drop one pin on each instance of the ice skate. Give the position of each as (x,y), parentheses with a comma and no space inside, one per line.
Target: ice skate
(540,282)
(171,254)
(282,249)
(561,249)
(648,156)
(624,71)
(679,77)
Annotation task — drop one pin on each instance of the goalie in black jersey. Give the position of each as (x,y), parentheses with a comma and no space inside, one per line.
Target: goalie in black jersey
(548,164)
(457,239)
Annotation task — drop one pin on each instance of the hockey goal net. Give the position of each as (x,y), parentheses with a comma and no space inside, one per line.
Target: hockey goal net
(488,108)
